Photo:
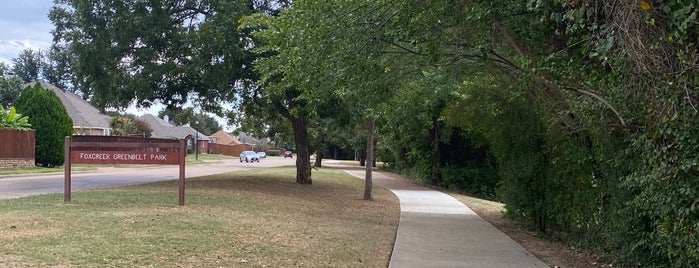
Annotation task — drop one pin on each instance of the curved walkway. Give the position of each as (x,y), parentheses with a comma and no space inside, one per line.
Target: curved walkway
(436,230)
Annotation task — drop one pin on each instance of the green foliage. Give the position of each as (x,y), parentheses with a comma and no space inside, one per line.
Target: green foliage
(27,65)
(203,123)
(129,126)
(50,120)
(169,51)
(12,120)
(4,68)
(273,153)
(10,88)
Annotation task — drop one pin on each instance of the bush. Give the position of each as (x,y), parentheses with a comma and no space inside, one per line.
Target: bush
(51,121)
(273,153)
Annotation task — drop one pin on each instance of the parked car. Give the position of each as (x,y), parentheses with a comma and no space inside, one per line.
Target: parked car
(288,154)
(249,156)
(262,154)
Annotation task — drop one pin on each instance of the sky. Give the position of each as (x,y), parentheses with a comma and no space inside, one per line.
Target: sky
(25,24)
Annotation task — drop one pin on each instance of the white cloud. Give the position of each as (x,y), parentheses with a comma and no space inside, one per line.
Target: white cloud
(24,24)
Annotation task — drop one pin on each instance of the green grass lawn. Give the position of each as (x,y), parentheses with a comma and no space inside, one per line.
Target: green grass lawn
(258,218)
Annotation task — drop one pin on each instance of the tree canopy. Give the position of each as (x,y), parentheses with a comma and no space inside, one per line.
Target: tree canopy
(167,51)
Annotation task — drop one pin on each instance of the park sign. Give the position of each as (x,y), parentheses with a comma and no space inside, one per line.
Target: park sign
(125,157)
(115,150)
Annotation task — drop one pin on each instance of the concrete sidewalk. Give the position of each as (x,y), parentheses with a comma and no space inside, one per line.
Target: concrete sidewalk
(436,230)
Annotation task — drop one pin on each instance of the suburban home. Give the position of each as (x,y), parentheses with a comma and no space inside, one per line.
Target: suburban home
(166,130)
(225,144)
(221,137)
(87,120)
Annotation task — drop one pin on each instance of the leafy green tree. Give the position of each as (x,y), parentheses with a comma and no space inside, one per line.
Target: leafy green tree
(4,68)
(169,51)
(203,123)
(129,126)
(10,89)
(49,118)
(56,68)
(27,65)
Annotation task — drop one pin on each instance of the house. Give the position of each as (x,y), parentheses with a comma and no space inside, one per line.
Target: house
(87,120)
(225,144)
(166,130)
(221,137)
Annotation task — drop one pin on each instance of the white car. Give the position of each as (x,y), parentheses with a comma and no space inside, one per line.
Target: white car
(249,156)
(262,154)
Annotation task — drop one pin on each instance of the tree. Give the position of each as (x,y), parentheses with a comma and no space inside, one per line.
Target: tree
(169,51)
(27,65)
(10,89)
(57,68)
(50,120)
(4,68)
(202,122)
(307,59)
(129,126)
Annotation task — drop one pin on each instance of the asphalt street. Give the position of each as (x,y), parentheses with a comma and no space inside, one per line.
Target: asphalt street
(14,186)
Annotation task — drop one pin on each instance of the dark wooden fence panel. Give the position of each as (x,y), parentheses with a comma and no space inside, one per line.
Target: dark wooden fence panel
(16,148)
(232,150)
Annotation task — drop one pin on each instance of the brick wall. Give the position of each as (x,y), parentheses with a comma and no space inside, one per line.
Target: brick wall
(16,163)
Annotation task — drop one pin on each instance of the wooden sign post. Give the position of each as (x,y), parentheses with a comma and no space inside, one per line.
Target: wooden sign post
(124,150)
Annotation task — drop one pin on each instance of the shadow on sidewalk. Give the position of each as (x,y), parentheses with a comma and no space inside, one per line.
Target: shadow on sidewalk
(384,179)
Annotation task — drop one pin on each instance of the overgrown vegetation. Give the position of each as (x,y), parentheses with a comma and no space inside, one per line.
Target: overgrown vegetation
(581,116)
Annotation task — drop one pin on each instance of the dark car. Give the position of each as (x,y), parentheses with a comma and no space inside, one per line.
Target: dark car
(288,154)
(249,156)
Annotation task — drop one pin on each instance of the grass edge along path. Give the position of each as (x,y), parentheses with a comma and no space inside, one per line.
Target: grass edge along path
(254,218)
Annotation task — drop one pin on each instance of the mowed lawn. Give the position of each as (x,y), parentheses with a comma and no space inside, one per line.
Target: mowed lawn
(258,218)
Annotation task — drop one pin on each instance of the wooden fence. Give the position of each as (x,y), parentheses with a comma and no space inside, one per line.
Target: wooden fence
(232,150)
(17,148)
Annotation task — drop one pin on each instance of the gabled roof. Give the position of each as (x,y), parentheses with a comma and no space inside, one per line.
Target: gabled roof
(245,138)
(221,137)
(165,130)
(81,111)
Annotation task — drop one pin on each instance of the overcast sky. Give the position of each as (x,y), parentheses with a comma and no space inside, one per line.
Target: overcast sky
(24,24)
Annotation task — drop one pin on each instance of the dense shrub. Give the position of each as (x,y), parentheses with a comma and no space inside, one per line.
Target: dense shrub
(273,153)
(49,118)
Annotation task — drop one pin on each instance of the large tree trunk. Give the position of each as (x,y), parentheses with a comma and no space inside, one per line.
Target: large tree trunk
(298,124)
(369,158)
(362,156)
(436,152)
(303,156)
(321,148)
(319,159)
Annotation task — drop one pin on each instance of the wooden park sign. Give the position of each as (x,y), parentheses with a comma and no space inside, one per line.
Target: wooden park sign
(124,150)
